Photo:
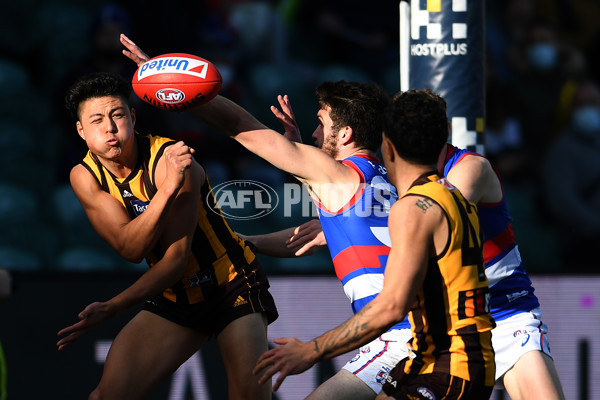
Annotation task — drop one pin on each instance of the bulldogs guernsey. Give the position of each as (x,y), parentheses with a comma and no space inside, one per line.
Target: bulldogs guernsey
(510,286)
(358,236)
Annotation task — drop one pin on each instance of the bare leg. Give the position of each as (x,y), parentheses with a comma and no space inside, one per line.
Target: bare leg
(343,385)
(534,376)
(241,343)
(382,396)
(146,351)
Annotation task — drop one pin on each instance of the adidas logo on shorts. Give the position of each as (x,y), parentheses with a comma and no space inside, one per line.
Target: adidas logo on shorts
(240,301)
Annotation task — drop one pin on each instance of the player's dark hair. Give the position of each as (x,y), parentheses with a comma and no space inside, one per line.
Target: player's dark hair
(97,84)
(417,125)
(357,105)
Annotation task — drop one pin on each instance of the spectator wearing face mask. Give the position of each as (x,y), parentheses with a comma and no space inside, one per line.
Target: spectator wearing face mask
(546,68)
(571,179)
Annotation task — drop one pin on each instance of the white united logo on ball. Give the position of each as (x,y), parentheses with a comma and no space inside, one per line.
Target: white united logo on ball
(182,65)
(243,199)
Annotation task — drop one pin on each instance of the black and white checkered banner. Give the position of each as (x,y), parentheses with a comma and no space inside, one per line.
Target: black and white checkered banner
(444,51)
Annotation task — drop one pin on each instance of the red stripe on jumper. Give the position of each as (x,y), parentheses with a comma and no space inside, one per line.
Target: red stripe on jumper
(357,257)
(496,245)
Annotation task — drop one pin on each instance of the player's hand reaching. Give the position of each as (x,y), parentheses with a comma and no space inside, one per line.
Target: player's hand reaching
(291,357)
(307,238)
(287,119)
(133,52)
(91,316)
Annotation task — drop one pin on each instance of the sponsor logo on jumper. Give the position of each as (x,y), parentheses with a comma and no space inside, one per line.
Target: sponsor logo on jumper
(127,194)
(139,206)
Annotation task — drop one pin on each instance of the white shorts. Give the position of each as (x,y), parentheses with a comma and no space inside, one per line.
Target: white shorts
(515,336)
(376,359)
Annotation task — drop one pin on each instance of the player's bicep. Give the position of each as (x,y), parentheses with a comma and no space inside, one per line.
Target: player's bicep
(411,222)
(106,214)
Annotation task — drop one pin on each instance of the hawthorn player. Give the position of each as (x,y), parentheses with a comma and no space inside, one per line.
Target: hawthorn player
(144,196)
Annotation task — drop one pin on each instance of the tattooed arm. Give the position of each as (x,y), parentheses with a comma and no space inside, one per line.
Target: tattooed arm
(414,241)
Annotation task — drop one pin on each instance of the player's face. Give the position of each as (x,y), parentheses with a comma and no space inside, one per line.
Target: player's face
(324,136)
(107,126)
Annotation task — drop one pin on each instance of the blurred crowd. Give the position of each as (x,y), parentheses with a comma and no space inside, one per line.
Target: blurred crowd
(542,117)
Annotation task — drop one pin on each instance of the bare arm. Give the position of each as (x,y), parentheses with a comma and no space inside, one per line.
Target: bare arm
(133,239)
(272,244)
(476,180)
(176,239)
(303,240)
(307,163)
(412,233)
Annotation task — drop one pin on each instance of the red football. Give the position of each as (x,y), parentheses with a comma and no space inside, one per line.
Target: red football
(176,81)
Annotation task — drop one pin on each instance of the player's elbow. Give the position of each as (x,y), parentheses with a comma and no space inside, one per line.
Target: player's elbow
(392,317)
(393,312)
(131,254)
(135,260)
(132,259)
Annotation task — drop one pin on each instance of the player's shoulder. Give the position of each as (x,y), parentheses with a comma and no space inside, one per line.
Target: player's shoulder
(368,166)
(79,172)
(473,159)
(471,163)
(414,212)
(83,183)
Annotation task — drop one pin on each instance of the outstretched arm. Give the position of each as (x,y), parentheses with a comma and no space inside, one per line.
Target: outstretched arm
(404,274)
(307,163)
(303,240)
